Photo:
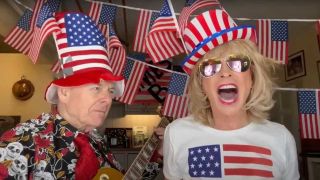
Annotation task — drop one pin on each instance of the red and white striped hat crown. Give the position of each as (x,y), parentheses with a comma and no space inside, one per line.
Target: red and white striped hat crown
(83,56)
(209,30)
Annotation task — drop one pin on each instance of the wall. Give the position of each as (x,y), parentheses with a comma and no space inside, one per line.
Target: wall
(13,66)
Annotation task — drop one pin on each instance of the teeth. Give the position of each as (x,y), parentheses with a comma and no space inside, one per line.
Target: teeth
(229,86)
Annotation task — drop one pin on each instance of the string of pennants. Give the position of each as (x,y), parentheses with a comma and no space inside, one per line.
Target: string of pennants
(151,77)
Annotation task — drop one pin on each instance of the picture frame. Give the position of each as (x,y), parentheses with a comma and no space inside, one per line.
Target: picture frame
(8,122)
(296,66)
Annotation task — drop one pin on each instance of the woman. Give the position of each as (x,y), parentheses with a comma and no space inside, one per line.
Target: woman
(227,135)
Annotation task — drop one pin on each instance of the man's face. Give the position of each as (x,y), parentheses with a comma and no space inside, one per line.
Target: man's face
(87,106)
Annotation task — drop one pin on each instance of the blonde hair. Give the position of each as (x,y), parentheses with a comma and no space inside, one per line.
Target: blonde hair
(260,99)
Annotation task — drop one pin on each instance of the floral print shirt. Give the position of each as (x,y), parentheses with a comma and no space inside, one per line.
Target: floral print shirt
(43,148)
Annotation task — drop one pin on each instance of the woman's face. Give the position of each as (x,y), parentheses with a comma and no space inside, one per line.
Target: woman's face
(227,90)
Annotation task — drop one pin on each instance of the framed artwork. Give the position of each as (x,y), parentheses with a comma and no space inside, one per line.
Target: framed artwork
(296,66)
(8,122)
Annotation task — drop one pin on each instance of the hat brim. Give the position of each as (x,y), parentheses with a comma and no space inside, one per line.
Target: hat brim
(222,37)
(93,77)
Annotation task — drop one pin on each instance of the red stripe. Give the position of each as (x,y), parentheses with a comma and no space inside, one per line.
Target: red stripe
(80,62)
(247,160)
(83,52)
(215,21)
(246,148)
(248,172)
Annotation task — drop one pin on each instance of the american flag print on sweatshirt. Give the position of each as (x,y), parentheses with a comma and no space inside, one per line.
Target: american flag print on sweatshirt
(237,160)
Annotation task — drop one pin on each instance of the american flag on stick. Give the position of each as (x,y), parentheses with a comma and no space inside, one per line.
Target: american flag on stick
(133,74)
(45,26)
(163,41)
(176,102)
(20,37)
(309,112)
(145,22)
(273,39)
(230,160)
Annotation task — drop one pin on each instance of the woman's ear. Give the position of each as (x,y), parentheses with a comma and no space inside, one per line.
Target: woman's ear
(63,94)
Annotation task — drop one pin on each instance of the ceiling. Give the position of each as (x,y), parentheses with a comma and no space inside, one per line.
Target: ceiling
(126,19)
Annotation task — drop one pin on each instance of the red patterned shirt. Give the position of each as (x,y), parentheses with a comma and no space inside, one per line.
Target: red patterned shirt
(43,148)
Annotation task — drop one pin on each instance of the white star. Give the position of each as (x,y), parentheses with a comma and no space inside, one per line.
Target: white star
(203,158)
(211,172)
(200,165)
(195,159)
(192,166)
(208,164)
(216,164)
(207,149)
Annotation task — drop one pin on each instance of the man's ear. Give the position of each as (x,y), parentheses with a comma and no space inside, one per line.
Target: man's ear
(63,94)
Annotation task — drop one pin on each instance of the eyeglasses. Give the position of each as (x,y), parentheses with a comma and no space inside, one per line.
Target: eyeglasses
(237,63)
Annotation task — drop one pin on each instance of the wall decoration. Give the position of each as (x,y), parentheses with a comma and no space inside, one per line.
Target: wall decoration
(23,89)
(296,66)
(8,122)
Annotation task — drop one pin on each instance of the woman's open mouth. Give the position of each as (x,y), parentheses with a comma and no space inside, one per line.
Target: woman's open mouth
(228,93)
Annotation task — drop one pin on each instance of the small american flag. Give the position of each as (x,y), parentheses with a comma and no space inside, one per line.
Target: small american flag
(81,41)
(273,39)
(219,161)
(308,103)
(45,25)
(20,37)
(162,41)
(133,74)
(104,16)
(145,22)
(176,102)
(117,53)
(192,6)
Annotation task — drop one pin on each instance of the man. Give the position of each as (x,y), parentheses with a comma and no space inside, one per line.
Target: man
(52,145)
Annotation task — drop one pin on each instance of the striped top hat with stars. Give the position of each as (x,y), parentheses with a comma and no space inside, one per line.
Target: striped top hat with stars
(209,30)
(83,56)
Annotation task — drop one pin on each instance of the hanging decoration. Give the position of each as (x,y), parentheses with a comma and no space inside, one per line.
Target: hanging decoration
(23,89)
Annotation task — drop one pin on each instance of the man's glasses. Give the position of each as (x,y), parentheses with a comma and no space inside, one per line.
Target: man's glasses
(237,63)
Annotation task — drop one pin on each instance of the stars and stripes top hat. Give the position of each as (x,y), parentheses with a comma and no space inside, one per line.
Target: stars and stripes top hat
(82,53)
(209,30)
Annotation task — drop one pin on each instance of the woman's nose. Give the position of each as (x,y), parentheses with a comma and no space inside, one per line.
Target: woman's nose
(225,70)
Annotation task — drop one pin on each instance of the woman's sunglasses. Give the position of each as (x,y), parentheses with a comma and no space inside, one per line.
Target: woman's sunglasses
(210,67)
